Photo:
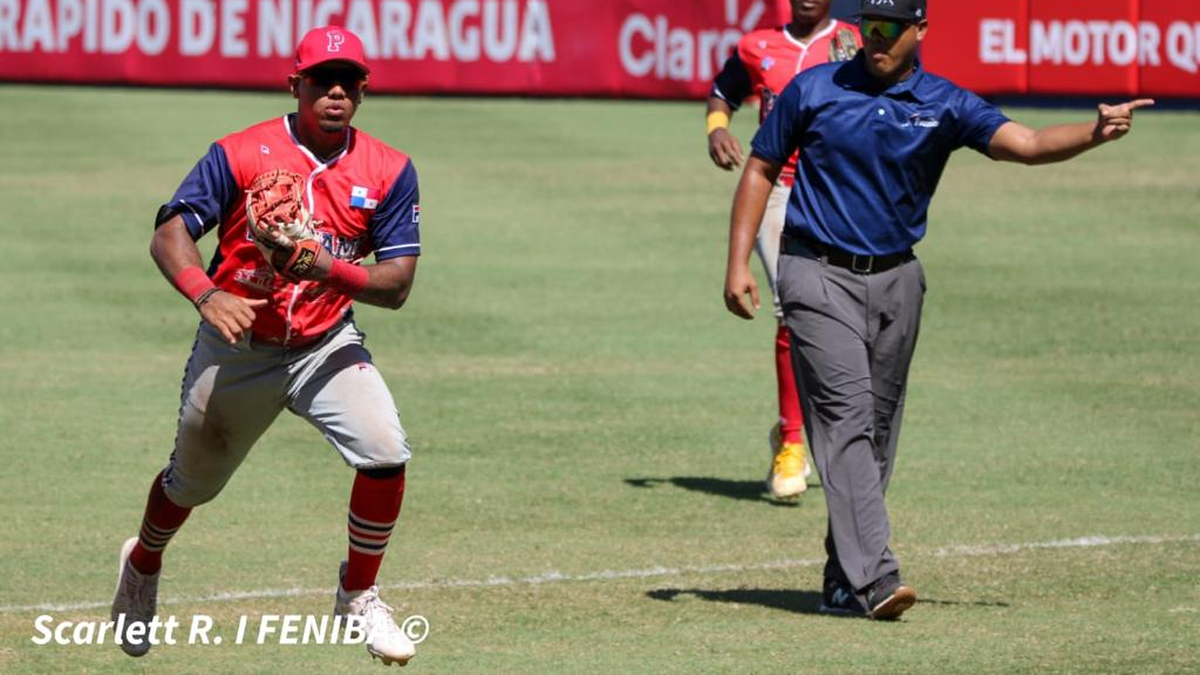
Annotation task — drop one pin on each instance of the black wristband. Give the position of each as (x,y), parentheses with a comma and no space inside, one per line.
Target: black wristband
(204,297)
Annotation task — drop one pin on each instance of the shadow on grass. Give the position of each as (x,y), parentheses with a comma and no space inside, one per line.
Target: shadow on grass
(745,490)
(963,603)
(801,602)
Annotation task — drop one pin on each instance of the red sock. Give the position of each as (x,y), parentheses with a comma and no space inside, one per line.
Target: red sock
(374,507)
(790,418)
(161,521)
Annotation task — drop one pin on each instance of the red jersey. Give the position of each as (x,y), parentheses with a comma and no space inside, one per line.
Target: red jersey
(767,60)
(363,200)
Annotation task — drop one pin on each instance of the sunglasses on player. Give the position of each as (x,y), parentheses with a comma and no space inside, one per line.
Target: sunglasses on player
(886,28)
(326,77)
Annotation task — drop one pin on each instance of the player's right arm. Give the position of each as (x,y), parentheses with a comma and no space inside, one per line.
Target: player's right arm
(177,256)
(197,207)
(731,86)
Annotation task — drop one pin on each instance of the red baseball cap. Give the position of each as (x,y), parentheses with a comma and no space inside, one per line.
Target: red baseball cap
(329,43)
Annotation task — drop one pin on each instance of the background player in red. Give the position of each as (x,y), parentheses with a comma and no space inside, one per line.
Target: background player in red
(276,334)
(763,64)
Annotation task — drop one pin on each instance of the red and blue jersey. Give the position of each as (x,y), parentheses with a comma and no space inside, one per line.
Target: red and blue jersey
(766,61)
(363,200)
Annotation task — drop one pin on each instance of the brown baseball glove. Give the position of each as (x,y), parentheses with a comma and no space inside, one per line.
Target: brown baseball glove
(280,225)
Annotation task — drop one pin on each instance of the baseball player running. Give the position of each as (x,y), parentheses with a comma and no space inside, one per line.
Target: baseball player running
(763,64)
(297,202)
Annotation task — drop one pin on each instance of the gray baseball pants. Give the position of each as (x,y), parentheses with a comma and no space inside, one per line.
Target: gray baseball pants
(232,393)
(853,337)
(770,230)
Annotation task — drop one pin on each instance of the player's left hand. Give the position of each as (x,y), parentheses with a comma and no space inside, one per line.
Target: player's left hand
(1114,121)
(275,213)
(301,260)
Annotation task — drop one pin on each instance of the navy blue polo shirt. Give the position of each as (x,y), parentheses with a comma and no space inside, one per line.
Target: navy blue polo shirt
(870,157)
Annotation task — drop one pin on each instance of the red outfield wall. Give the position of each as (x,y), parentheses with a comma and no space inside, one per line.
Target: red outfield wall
(639,48)
(1068,47)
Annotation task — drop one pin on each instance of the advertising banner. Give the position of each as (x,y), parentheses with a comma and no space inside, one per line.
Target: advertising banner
(1068,47)
(645,48)
(614,48)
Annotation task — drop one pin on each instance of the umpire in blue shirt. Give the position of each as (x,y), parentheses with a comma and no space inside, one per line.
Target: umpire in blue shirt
(874,135)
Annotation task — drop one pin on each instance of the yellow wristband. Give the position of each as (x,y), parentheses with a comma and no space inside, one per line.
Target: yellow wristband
(717,120)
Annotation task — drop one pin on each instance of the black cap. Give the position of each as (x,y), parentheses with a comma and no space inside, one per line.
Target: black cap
(909,11)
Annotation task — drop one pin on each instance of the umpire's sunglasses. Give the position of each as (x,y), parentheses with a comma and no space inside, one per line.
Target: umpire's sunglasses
(886,28)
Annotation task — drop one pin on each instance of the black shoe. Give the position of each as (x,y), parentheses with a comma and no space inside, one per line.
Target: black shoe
(839,600)
(889,598)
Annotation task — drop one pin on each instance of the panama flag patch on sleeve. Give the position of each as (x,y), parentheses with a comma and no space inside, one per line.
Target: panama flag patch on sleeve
(363,198)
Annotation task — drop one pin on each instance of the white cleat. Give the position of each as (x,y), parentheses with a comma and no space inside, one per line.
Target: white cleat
(137,599)
(385,640)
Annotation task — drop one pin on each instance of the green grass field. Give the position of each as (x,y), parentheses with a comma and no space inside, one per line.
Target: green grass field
(589,423)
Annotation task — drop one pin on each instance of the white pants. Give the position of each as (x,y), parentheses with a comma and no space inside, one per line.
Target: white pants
(769,233)
(232,393)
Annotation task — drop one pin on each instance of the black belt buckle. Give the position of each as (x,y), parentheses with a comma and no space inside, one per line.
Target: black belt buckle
(865,269)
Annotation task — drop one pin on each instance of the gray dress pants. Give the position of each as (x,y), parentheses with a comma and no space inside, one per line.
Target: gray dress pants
(853,337)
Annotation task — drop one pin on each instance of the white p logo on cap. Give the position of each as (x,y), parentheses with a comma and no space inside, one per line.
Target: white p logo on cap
(335,41)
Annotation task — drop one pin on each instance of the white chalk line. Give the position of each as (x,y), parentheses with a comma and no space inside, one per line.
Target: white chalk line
(1078,542)
(553,577)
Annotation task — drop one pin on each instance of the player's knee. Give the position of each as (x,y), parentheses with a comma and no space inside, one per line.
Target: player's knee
(389,448)
(189,489)
(190,495)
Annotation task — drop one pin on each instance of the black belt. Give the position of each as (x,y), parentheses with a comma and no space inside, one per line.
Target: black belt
(859,264)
